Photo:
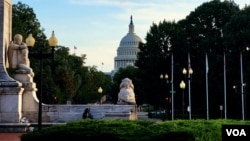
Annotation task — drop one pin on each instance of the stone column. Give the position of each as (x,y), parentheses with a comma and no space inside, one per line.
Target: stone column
(10,89)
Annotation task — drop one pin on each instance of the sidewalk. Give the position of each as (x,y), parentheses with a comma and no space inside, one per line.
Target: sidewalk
(10,136)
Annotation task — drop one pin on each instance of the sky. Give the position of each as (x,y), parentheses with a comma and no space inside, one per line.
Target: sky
(96,27)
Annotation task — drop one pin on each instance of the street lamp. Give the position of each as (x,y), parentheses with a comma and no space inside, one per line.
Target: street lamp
(184,71)
(169,51)
(189,73)
(167,81)
(100,92)
(182,86)
(171,91)
(30,42)
(164,77)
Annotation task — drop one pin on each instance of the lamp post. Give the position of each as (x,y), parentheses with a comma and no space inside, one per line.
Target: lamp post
(164,77)
(167,81)
(182,86)
(169,51)
(189,73)
(100,92)
(171,91)
(30,41)
(221,109)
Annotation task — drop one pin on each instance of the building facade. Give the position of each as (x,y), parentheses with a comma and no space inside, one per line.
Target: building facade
(128,49)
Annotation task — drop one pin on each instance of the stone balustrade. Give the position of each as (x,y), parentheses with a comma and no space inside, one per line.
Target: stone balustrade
(65,113)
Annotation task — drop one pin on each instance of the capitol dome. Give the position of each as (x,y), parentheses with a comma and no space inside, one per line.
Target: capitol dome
(128,48)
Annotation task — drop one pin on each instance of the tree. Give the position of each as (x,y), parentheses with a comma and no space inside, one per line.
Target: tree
(237,31)
(65,77)
(68,73)
(91,81)
(154,59)
(200,32)
(204,28)
(204,25)
(24,22)
(236,40)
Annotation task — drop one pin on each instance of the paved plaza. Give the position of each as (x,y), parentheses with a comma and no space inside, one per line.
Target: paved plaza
(10,136)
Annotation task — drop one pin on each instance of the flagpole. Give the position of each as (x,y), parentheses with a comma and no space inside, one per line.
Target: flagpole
(172,83)
(242,87)
(75,50)
(189,87)
(102,67)
(225,88)
(207,87)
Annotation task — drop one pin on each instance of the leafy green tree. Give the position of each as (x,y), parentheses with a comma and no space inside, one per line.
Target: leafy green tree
(154,59)
(236,40)
(91,81)
(237,31)
(204,28)
(203,32)
(68,73)
(24,22)
(65,77)
(204,25)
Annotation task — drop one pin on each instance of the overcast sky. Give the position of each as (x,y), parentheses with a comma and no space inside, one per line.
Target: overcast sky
(96,27)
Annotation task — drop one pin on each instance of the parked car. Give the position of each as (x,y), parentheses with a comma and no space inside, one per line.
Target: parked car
(157,114)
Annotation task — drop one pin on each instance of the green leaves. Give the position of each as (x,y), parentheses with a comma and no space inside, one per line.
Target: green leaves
(24,22)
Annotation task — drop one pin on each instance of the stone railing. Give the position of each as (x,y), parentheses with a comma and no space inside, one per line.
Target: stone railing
(65,113)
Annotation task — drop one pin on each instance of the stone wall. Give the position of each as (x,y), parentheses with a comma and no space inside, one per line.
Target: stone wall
(65,113)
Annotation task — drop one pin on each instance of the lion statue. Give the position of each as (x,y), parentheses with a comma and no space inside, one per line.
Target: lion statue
(126,94)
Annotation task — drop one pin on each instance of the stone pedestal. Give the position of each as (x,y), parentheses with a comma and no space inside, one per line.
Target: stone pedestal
(10,104)
(29,98)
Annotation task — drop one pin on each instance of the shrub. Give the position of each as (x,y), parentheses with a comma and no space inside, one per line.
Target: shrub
(128,130)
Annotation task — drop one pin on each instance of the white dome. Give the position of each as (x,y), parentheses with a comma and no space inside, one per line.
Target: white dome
(128,49)
(130,40)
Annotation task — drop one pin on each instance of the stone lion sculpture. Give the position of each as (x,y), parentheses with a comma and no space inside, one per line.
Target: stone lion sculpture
(126,94)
